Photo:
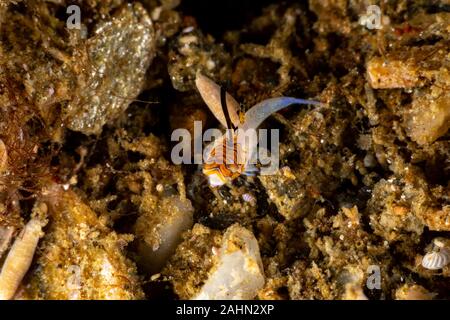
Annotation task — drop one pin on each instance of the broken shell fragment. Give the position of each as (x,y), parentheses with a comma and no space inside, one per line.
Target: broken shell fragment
(19,258)
(239,272)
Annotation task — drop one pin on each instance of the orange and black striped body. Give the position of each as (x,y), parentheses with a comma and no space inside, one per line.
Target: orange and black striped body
(223,163)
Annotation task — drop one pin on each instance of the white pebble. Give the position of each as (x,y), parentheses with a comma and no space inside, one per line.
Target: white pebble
(369,161)
(210,64)
(239,272)
(188,29)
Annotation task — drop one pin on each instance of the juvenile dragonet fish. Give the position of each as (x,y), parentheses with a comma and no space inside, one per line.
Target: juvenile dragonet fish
(227,157)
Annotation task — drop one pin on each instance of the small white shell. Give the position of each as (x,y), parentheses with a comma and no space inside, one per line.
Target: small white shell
(436,260)
(3,157)
(19,258)
(248,197)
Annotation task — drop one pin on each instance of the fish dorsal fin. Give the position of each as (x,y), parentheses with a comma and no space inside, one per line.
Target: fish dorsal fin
(262,110)
(211,94)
